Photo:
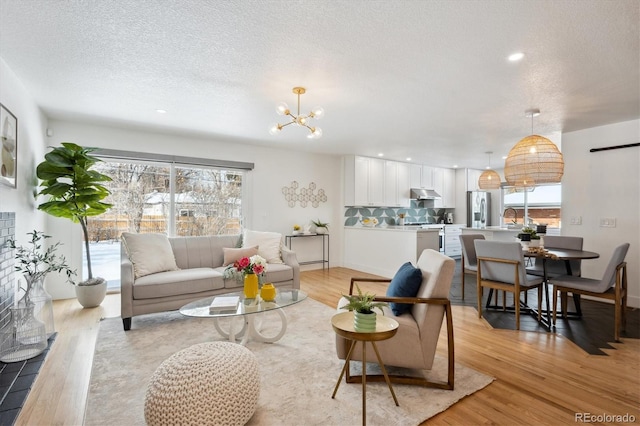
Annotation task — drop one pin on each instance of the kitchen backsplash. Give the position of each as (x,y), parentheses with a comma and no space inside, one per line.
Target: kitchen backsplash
(389,216)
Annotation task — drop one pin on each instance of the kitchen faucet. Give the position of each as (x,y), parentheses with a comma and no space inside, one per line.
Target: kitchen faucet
(515,214)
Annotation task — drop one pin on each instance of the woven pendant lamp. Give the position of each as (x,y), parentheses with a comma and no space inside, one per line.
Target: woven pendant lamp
(489,179)
(534,160)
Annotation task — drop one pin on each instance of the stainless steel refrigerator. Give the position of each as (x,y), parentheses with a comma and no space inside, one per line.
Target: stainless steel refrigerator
(478,209)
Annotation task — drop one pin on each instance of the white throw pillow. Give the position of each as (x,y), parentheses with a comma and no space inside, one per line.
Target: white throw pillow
(149,253)
(268,244)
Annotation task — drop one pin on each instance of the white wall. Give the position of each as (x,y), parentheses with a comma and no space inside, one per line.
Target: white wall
(31,129)
(266,210)
(600,185)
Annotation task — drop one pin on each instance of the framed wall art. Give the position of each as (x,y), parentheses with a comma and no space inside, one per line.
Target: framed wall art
(9,150)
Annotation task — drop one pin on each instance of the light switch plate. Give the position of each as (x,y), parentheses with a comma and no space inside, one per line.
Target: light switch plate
(608,222)
(576,220)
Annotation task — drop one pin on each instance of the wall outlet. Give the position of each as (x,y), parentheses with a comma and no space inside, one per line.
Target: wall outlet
(608,222)
(576,220)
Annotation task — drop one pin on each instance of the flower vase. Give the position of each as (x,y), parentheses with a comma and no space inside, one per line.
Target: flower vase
(364,323)
(250,286)
(268,292)
(23,336)
(43,302)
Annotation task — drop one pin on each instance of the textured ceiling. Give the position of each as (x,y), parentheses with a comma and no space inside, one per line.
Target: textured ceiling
(423,79)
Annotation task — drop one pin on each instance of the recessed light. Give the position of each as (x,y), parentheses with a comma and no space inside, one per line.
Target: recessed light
(161,111)
(516,56)
(380,154)
(408,158)
(455,166)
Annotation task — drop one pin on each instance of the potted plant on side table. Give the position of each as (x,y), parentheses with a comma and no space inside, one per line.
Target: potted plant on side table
(321,227)
(75,192)
(364,318)
(529,238)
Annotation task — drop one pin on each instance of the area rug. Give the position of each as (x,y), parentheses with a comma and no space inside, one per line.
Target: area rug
(298,373)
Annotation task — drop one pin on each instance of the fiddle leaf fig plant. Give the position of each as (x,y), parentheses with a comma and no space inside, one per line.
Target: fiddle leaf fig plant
(74,191)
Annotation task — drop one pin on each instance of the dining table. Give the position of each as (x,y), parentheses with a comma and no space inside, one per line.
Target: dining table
(566,255)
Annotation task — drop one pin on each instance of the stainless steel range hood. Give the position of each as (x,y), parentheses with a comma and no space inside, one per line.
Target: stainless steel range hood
(424,194)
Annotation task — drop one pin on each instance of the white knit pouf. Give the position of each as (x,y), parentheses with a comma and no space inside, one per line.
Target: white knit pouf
(206,384)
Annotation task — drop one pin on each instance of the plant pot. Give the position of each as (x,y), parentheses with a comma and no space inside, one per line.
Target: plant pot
(321,230)
(534,243)
(364,322)
(91,295)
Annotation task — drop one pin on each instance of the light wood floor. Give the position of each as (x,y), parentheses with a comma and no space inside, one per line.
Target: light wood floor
(541,378)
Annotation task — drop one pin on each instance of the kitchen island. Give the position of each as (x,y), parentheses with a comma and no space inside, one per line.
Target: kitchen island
(495,233)
(382,250)
(501,233)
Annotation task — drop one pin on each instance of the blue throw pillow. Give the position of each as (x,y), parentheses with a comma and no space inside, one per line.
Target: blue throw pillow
(405,283)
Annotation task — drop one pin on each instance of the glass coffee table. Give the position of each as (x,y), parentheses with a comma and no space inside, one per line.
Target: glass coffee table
(250,311)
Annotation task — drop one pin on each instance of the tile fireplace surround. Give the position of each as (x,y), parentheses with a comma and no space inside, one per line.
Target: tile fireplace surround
(16,378)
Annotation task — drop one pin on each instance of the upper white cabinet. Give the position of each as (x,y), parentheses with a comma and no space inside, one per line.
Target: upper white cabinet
(384,183)
(364,181)
(376,182)
(444,183)
(422,176)
(472,179)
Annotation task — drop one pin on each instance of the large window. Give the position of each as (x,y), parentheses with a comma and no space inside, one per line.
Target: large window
(147,197)
(543,204)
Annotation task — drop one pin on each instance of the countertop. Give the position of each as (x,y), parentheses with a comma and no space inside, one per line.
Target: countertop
(495,229)
(393,228)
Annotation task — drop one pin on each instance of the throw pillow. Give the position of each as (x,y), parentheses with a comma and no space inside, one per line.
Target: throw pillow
(405,283)
(268,244)
(149,253)
(233,254)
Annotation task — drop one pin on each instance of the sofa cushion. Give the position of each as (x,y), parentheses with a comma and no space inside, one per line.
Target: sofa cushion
(233,254)
(277,272)
(405,283)
(175,283)
(268,244)
(149,253)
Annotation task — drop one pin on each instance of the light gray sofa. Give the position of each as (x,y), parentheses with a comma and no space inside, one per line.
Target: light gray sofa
(200,275)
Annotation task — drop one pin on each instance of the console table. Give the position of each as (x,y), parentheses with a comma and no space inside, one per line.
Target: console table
(325,247)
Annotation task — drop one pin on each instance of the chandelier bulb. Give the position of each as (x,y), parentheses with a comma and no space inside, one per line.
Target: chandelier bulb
(282,109)
(274,129)
(316,133)
(317,112)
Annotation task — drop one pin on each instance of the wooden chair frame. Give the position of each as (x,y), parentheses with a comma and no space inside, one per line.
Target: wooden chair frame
(617,293)
(516,288)
(408,380)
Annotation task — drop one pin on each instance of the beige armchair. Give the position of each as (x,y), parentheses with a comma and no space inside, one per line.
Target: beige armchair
(414,345)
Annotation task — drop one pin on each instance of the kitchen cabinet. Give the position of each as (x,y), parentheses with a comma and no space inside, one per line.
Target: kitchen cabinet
(452,247)
(422,176)
(396,184)
(472,179)
(364,181)
(444,183)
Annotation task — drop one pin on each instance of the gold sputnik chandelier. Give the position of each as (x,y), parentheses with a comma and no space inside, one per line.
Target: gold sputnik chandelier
(534,160)
(299,119)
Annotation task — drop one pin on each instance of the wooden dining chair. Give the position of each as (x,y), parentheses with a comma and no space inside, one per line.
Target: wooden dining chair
(501,267)
(612,286)
(469,260)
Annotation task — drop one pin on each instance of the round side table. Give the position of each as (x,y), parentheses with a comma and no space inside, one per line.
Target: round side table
(386,328)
